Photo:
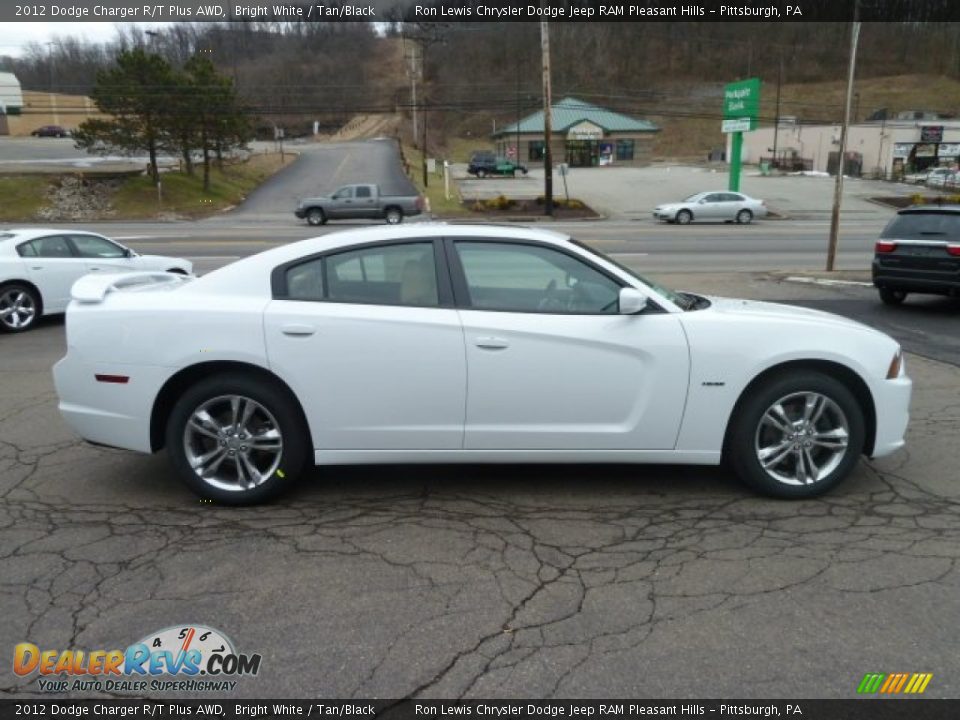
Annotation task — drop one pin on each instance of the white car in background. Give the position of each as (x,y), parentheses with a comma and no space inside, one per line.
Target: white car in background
(436,343)
(717,206)
(38,267)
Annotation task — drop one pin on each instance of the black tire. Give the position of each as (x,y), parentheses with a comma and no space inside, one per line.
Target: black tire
(270,395)
(316,216)
(20,307)
(684,217)
(481,174)
(742,447)
(744,217)
(393,215)
(889,296)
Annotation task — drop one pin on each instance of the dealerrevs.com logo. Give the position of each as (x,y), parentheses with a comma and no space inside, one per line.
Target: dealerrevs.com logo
(181,658)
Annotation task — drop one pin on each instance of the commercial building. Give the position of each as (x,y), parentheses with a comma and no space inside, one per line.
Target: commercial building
(23,111)
(879,148)
(583,135)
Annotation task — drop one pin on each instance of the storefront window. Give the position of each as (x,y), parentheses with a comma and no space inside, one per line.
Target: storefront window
(624,149)
(535,152)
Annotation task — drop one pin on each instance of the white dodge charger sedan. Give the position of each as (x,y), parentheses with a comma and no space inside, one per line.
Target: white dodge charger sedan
(437,343)
(38,266)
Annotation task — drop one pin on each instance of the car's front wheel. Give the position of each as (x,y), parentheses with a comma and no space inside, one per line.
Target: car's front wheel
(316,216)
(796,435)
(892,297)
(19,307)
(683,217)
(481,174)
(236,439)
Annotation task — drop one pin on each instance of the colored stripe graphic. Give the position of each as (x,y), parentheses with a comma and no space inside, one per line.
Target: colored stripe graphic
(894,683)
(870,683)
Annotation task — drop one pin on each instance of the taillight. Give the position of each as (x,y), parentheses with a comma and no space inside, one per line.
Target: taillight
(953,250)
(884,246)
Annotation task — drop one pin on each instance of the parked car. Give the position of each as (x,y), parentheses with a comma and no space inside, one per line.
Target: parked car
(466,343)
(937,177)
(51,131)
(359,201)
(483,165)
(918,252)
(38,267)
(719,206)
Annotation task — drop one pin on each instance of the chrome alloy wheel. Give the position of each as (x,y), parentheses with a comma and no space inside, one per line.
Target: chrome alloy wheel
(233,443)
(17,309)
(802,438)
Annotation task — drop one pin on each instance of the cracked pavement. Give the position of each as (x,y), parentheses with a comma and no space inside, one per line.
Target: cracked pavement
(481,582)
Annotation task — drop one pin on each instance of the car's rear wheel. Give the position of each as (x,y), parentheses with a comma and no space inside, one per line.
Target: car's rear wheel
(744,217)
(19,307)
(393,216)
(892,297)
(481,174)
(316,216)
(684,217)
(797,435)
(236,439)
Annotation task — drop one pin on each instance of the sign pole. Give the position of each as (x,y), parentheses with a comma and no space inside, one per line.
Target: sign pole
(736,153)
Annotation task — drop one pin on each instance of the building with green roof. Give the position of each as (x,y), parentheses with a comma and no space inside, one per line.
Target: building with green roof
(583,135)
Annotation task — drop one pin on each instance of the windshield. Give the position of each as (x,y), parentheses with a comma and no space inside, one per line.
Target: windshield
(694,198)
(671,295)
(923,226)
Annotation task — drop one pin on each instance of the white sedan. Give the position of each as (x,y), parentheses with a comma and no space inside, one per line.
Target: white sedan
(442,343)
(720,206)
(38,266)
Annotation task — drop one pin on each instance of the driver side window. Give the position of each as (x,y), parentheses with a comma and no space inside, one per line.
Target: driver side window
(533,279)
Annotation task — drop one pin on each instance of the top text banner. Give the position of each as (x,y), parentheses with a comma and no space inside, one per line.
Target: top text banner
(477,11)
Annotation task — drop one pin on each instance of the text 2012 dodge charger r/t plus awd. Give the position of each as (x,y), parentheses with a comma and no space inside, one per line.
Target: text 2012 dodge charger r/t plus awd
(446,343)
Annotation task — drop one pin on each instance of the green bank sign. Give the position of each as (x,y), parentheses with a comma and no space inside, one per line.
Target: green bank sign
(742,99)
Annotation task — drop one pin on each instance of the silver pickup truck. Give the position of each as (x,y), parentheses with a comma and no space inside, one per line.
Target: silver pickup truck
(359,201)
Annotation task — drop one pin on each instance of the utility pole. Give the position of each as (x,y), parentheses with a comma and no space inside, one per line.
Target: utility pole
(547,120)
(424,35)
(413,90)
(838,187)
(776,122)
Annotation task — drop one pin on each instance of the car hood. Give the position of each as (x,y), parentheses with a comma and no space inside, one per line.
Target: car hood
(161,262)
(778,311)
(669,206)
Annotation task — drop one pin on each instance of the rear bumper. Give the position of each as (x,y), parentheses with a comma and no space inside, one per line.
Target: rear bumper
(113,414)
(892,400)
(940,282)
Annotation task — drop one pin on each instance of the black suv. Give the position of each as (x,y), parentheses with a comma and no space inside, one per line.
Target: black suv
(919,251)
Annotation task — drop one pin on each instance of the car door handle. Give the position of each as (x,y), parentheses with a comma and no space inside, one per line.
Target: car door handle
(94,269)
(298,330)
(490,342)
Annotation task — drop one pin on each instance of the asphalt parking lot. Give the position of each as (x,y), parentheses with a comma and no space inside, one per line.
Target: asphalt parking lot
(588,581)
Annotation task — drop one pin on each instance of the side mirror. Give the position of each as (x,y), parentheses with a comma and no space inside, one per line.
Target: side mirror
(128,253)
(632,301)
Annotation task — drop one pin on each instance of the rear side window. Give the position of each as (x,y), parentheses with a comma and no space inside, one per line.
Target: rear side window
(305,282)
(401,274)
(363,191)
(53,246)
(923,226)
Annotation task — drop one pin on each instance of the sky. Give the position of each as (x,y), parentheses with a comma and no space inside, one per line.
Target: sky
(12,43)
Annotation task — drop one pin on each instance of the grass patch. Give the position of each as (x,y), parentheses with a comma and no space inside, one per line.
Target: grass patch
(183,194)
(439,204)
(23,196)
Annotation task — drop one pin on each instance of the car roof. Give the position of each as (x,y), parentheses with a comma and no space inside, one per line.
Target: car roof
(18,235)
(950,209)
(249,269)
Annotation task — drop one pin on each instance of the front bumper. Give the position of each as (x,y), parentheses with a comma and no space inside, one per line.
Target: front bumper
(892,402)
(300,213)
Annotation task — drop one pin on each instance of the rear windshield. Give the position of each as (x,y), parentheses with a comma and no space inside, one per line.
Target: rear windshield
(922,226)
